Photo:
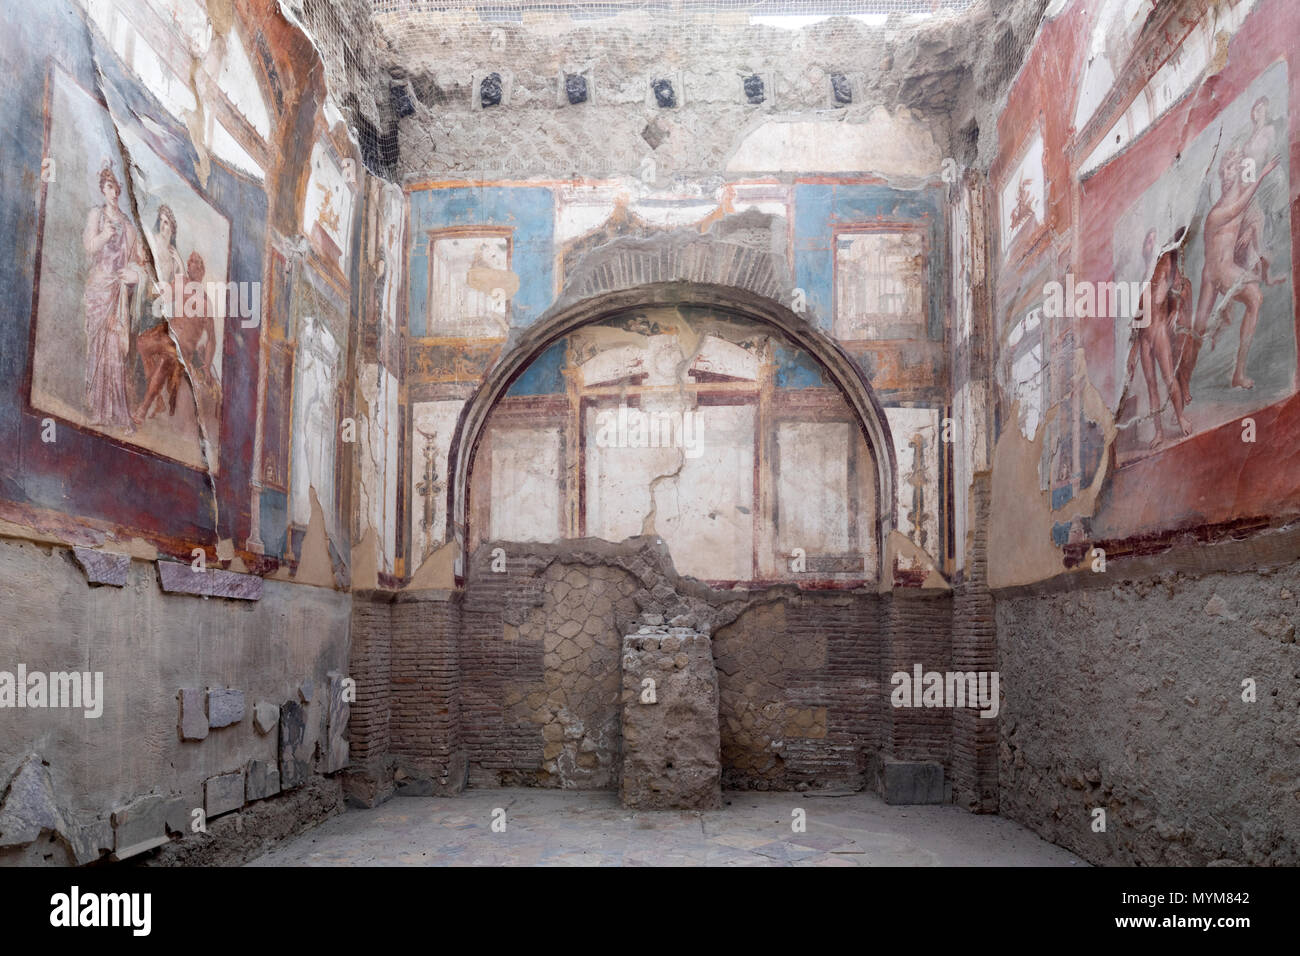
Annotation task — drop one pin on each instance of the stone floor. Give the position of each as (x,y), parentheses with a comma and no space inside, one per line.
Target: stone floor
(586,828)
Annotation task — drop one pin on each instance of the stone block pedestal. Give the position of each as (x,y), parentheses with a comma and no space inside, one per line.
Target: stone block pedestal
(907,782)
(671,748)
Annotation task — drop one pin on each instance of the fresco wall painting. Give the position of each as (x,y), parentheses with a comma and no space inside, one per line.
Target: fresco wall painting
(129,326)
(1221,340)
(703,428)
(1177,179)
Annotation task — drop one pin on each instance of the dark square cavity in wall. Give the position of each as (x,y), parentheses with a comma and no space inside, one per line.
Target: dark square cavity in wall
(841,89)
(400,96)
(371,153)
(577,88)
(654,134)
(755,89)
(664,92)
(491,90)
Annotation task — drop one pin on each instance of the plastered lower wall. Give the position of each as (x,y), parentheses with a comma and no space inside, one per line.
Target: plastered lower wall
(1127,696)
(149,645)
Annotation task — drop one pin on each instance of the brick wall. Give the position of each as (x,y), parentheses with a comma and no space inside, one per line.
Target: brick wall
(919,631)
(800,676)
(798,683)
(515,680)
(974,648)
(405,729)
(368,779)
(425,726)
(370,668)
(500,750)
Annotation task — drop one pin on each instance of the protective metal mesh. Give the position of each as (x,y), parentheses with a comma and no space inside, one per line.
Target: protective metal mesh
(691,15)
(516,10)
(796,48)
(428,32)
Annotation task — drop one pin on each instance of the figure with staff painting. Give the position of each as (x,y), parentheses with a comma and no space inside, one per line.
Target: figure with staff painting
(115,274)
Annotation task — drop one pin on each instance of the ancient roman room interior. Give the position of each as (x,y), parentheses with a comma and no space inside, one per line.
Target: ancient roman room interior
(844,432)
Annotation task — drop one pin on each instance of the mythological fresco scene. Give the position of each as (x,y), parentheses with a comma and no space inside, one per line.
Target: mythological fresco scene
(599,433)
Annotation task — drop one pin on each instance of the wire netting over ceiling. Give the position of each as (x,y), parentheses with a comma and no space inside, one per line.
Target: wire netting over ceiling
(764,27)
(385,58)
(676,16)
(517,10)
(699,13)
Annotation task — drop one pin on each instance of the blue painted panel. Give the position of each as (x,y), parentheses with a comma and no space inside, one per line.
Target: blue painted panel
(819,207)
(275,520)
(795,368)
(528,210)
(545,376)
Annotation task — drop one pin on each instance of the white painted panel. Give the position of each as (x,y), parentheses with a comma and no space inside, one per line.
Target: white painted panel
(706,514)
(238,81)
(702,486)
(227,147)
(812,491)
(378,435)
(917,448)
(457,305)
(315,422)
(525,484)
(391,467)
(433,424)
(618,481)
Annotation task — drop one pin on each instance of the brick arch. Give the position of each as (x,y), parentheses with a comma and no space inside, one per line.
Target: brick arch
(740,277)
(736,253)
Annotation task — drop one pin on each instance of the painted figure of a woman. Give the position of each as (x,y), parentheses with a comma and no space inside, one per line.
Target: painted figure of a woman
(112,244)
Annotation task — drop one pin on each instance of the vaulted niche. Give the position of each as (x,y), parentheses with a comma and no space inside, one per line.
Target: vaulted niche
(707,429)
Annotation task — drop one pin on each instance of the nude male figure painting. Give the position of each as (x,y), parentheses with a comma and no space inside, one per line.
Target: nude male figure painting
(1222,275)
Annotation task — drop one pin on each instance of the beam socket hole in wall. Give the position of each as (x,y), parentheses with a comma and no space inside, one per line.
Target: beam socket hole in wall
(575,88)
(399,95)
(490,90)
(841,89)
(654,134)
(664,93)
